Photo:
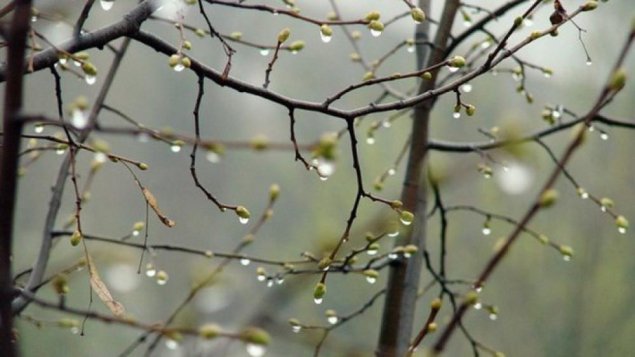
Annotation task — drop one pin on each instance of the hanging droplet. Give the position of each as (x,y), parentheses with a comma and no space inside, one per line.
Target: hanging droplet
(394,234)
(143,137)
(466,88)
(391,172)
(296,328)
(371,279)
(61,149)
(528,22)
(38,128)
(34,18)
(493,316)
(325,38)
(279,280)
(150,270)
(453,69)
(212,157)
(269,283)
(604,136)
(178,67)
(79,119)
(410,49)
(325,169)
(456,115)
(162,277)
(547,74)
(370,140)
(255,350)
(371,251)
(332,319)
(589,62)
(107,4)
(486,231)
(317,301)
(485,44)
(478,306)
(75,330)
(393,256)
(90,80)
(170,343)
(386,124)
(243,220)
(467,23)
(566,258)
(245,261)
(261,278)
(264,51)
(375,33)
(175,148)
(622,230)
(478,289)
(591,128)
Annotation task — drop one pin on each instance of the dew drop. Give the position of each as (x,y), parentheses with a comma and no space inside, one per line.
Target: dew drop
(162,278)
(467,23)
(391,172)
(245,261)
(60,150)
(456,115)
(485,44)
(486,231)
(79,118)
(170,343)
(255,350)
(393,256)
(77,63)
(279,280)
(493,316)
(478,289)
(135,233)
(323,178)
(371,280)
(528,22)
(603,208)
(107,4)
(393,234)
(375,33)
(478,306)
(410,49)
(407,255)
(261,278)
(547,74)
(566,258)
(591,128)
(296,328)
(318,301)
(589,62)
(74,330)
(325,169)
(38,128)
(466,88)
(143,137)
(264,51)
(584,195)
(405,222)
(386,124)
(175,148)
(63,60)
(332,319)
(370,140)
(604,136)
(325,38)
(243,220)
(269,283)
(622,230)
(212,157)
(90,80)
(371,251)
(150,271)
(178,67)
(453,69)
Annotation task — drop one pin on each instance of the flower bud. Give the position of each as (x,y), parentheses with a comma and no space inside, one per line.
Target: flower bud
(284,35)
(417,14)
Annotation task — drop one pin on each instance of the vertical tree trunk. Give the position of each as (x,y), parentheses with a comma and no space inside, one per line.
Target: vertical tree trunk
(403,281)
(12,127)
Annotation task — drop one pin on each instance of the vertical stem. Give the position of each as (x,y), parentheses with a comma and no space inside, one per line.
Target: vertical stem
(403,281)
(12,123)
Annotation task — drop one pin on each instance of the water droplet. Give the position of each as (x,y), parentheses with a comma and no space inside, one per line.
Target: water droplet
(467,23)
(175,148)
(393,234)
(279,280)
(517,77)
(591,128)
(604,136)
(243,220)
(212,157)
(162,277)
(410,49)
(294,52)
(603,208)
(547,74)
(584,195)
(150,271)
(589,62)
(375,33)
(393,256)
(33,18)
(143,137)
(325,169)
(371,280)
(77,63)
(90,80)
(332,319)
(405,222)
(478,306)
(528,22)
(323,178)
(170,343)
(245,261)
(486,231)
(485,44)
(370,140)
(38,128)
(453,69)
(296,328)
(264,51)
(325,38)
(75,330)
(135,233)
(261,277)
(478,289)
(622,230)
(60,150)
(371,251)
(386,124)
(466,88)
(407,255)
(275,13)
(456,115)
(493,316)
(63,60)
(79,119)
(391,172)
(317,301)
(269,283)
(178,67)
(566,258)
(107,4)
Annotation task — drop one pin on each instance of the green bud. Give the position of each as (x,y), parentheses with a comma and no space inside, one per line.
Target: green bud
(242,212)
(186,62)
(67,323)
(543,239)
(535,35)
(470,110)
(294,322)
(259,142)
(356,35)
(589,5)
(607,202)
(621,222)
(236,35)
(457,62)
(396,204)
(368,76)
(187,45)
(60,284)
(410,249)
(200,32)
(81,103)
(174,60)
(325,263)
(618,80)
(326,30)
(89,68)
(374,246)
(296,46)
(283,35)
(432,326)
(376,25)
(355,57)
(143,166)
(319,291)
(371,273)
(471,297)
(436,304)
(255,335)
(548,198)
(518,21)
(373,16)
(76,238)
(209,331)
(417,14)
(426,75)
(138,226)
(274,192)
(406,217)
(566,251)
(82,56)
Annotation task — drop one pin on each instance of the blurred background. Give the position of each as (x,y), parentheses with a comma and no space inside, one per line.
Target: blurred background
(546,306)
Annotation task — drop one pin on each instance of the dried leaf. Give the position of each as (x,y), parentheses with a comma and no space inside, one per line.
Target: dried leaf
(152,201)
(102,290)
